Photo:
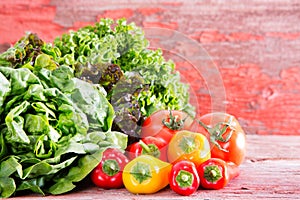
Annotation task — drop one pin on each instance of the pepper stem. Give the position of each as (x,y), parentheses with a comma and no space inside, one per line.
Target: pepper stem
(184,178)
(141,172)
(150,149)
(110,167)
(187,144)
(212,173)
(144,146)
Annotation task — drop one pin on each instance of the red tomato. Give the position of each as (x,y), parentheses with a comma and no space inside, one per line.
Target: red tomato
(227,138)
(164,124)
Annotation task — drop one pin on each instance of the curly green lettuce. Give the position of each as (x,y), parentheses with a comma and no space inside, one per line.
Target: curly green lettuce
(123,44)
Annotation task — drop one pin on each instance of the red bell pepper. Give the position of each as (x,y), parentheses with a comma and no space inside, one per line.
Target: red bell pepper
(215,173)
(150,146)
(184,178)
(108,173)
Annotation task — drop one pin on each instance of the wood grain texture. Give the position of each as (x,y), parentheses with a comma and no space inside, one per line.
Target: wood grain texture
(254,44)
(270,171)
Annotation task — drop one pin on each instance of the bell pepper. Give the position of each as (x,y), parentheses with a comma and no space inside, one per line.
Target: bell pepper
(146,174)
(148,145)
(184,178)
(108,173)
(187,145)
(215,173)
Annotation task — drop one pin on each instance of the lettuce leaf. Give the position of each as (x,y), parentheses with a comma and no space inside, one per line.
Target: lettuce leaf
(124,44)
(51,135)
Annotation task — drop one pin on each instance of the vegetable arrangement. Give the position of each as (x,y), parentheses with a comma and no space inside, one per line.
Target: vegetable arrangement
(98,104)
(191,163)
(188,163)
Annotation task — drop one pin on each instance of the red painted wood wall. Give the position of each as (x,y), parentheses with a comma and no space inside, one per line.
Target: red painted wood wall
(255,46)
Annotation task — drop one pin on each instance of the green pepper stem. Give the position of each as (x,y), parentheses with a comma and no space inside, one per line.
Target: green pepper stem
(150,149)
(184,179)
(141,171)
(144,146)
(187,144)
(110,167)
(212,173)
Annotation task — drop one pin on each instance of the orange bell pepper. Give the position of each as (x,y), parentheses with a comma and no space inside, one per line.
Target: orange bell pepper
(187,145)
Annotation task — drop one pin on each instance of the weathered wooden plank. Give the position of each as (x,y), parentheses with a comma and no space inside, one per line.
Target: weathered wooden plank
(271,171)
(261,148)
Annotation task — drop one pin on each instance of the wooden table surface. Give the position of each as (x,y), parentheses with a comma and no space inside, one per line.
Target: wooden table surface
(271,171)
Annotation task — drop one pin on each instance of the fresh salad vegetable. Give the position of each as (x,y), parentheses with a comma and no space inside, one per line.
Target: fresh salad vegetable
(226,136)
(152,83)
(146,175)
(184,178)
(215,173)
(187,145)
(108,173)
(148,145)
(164,124)
(54,126)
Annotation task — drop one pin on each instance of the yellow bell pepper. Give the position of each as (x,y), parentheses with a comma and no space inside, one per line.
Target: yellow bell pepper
(146,175)
(187,145)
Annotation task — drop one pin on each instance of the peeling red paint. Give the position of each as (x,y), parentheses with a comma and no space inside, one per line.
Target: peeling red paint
(80,24)
(257,52)
(170,25)
(25,2)
(263,99)
(242,37)
(149,11)
(169,3)
(199,93)
(16,19)
(286,36)
(291,77)
(116,14)
(211,36)
(214,36)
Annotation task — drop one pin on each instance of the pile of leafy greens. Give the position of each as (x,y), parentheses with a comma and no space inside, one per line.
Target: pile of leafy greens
(54,126)
(63,104)
(152,82)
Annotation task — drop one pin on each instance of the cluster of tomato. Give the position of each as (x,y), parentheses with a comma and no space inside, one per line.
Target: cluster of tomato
(178,151)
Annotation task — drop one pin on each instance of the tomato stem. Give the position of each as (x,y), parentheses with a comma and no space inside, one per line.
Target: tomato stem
(216,133)
(174,122)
